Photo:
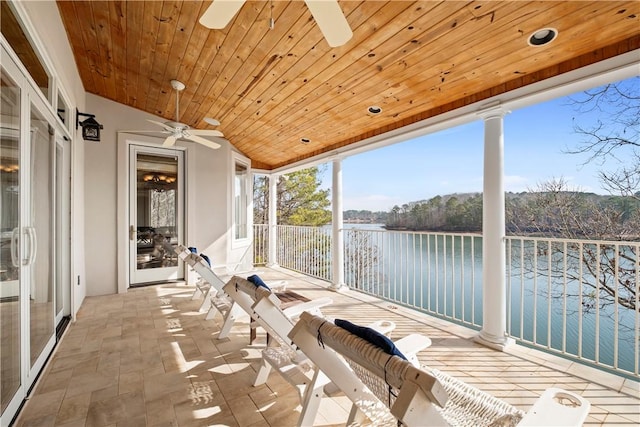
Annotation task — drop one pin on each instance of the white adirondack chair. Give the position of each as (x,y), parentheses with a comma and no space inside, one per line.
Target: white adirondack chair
(387,389)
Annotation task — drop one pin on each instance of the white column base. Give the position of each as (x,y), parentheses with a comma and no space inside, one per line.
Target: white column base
(496,343)
(272,265)
(338,287)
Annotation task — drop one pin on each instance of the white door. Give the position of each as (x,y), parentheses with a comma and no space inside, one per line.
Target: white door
(156,214)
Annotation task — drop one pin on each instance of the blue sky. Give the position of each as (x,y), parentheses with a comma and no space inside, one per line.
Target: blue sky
(536,141)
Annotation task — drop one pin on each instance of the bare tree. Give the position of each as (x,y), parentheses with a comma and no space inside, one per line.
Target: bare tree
(601,273)
(361,260)
(614,135)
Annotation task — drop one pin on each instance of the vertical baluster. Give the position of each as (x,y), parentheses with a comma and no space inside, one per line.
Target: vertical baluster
(522,288)
(535,291)
(616,314)
(509,284)
(549,282)
(453,276)
(421,271)
(445,273)
(462,277)
(580,314)
(564,297)
(437,278)
(413,268)
(473,280)
(636,335)
(597,331)
(429,270)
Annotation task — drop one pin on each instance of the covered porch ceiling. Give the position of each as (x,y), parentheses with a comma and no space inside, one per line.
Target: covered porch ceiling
(271,88)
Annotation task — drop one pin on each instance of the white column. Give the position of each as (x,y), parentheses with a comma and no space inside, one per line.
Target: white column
(494,318)
(272,256)
(337,241)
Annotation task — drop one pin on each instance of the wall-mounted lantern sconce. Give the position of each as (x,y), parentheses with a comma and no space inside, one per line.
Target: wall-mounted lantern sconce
(90,127)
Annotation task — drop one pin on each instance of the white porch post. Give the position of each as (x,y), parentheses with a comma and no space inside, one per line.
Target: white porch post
(272,256)
(337,246)
(494,317)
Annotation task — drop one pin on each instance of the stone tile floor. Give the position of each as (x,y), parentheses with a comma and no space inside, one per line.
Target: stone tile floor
(148,358)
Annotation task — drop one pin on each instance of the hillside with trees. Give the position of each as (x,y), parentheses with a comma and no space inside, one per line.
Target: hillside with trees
(552,210)
(364,217)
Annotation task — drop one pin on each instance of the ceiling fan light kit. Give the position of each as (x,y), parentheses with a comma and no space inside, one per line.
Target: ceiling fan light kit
(326,13)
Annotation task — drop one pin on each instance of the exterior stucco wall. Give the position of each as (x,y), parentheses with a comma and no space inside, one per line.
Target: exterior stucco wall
(207,194)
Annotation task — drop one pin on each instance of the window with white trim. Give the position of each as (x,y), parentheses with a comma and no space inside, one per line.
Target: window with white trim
(241,186)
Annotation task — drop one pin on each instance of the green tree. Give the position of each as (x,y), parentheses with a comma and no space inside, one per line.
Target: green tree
(300,200)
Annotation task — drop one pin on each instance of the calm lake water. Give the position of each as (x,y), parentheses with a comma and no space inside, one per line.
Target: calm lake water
(435,265)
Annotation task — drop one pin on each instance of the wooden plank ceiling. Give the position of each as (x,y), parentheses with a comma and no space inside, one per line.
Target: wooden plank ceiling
(270,88)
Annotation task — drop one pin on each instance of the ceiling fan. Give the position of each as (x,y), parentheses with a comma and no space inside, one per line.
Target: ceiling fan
(178,130)
(327,14)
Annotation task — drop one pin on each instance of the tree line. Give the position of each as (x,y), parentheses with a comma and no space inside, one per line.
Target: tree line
(552,209)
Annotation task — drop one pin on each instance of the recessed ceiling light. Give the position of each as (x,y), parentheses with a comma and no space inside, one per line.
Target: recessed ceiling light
(374,109)
(542,37)
(212,121)
(305,140)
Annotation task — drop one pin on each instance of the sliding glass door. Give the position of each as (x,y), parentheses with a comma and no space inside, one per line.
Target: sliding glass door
(10,293)
(34,217)
(39,235)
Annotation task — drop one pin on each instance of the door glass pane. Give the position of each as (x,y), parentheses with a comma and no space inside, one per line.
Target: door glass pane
(9,254)
(59,213)
(40,234)
(240,208)
(156,211)
(63,109)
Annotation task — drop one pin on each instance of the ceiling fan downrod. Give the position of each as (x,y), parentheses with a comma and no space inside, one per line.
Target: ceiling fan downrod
(178,86)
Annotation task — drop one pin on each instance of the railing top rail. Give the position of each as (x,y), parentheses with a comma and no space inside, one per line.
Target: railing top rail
(463,234)
(576,241)
(384,230)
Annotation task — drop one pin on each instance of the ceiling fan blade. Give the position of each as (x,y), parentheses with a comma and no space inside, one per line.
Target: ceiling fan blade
(169,128)
(170,141)
(206,132)
(331,21)
(203,141)
(144,131)
(220,13)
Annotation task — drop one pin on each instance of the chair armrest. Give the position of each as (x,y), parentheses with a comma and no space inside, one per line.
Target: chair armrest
(411,345)
(277,285)
(312,305)
(557,407)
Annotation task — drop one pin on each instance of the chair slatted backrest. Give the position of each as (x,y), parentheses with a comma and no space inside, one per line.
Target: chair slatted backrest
(204,270)
(418,392)
(264,306)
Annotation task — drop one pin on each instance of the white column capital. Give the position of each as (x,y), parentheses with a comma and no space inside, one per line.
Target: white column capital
(492,111)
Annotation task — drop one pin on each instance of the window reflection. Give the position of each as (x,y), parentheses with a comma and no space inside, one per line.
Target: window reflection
(40,234)
(9,258)
(240,184)
(157,204)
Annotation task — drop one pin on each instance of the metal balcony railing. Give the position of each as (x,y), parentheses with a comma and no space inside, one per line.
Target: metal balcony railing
(575,298)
